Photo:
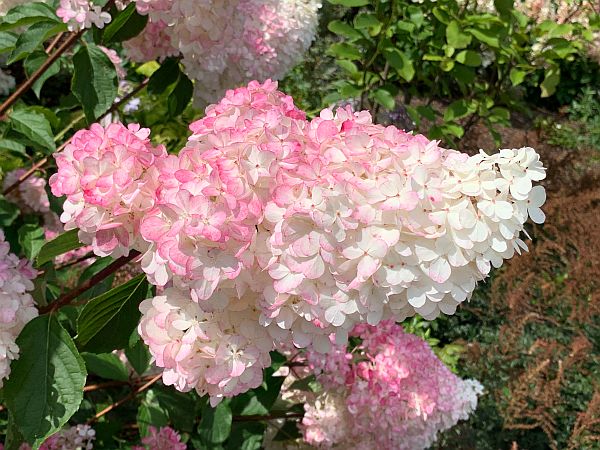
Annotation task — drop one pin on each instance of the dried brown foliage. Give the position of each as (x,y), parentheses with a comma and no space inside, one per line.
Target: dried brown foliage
(586,431)
(557,283)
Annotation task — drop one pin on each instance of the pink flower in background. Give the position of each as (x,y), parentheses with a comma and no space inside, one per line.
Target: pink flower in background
(81,14)
(393,376)
(226,44)
(164,438)
(115,59)
(30,195)
(80,437)
(16,304)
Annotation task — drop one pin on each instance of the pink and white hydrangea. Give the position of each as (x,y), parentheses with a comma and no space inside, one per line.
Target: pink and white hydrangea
(306,227)
(164,438)
(80,437)
(226,44)
(392,375)
(16,304)
(82,14)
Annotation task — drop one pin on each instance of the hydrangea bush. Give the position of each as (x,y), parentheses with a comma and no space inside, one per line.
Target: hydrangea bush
(152,294)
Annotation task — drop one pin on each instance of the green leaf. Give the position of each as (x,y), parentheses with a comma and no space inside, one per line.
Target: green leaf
(106,365)
(455,36)
(551,79)
(28,13)
(7,41)
(138,356)
(469,58)
(166,75)
(126,25)
(107,321)
(453,129)
(99,288)
(348,66)
(60,245)
(246,436)
(457,110)
(366,20)
(150,413)
(343,29)
(345,51)
(441,15)
(177,405)
(14,438)
(181,95)
(33,63)
(447,64)
(94,81)
(8,212)
(384,98)
(34,126)
(34,37)
(489,37)
(499,115)
(401,62)
(517,76)
(13,146)
(504,7)
(215,424)
(31,239)
(46,383)
(350,3)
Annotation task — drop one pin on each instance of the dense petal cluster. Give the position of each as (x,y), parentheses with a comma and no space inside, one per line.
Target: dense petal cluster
(392,393)
(226,44)
(270,230)
(81,14)
(16,305)
(109,176)
(164,438)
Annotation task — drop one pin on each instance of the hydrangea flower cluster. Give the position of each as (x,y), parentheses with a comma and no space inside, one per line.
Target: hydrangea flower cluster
(269,230)
(80,437)
(81,14)
(226,43)
(30,195)
(109,176)
(164,438)
(392,375)
(16,305)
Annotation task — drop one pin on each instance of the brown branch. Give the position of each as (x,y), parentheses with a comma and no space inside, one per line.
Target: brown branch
(109,270)
(124,399)
(54,43)
(38,73)
(108,384)
(42,162)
